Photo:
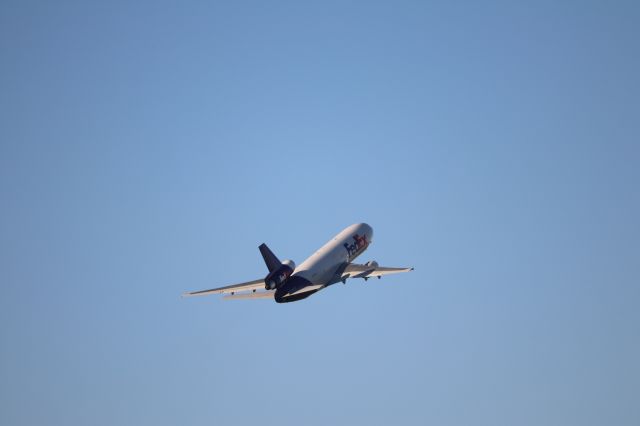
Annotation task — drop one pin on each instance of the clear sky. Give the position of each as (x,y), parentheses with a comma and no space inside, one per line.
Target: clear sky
(148,148)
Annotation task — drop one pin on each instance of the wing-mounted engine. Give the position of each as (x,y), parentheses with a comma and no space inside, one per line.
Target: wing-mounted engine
(371,265)
(280,275)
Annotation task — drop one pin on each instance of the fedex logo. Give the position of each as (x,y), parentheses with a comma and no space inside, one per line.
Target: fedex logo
(360,242)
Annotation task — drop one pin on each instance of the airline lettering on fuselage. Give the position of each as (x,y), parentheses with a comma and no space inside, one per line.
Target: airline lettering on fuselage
(360,242)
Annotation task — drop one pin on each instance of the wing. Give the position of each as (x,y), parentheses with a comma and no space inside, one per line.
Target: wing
(251,285)
(354,270)
(257,295)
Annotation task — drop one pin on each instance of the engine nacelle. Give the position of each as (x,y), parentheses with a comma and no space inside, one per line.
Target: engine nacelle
(372,263)
(290,263)
(279,276)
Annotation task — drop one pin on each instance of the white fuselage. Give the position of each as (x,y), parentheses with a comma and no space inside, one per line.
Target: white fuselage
(324,267)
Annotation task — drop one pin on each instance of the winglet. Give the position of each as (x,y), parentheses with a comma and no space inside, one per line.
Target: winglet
(270,259)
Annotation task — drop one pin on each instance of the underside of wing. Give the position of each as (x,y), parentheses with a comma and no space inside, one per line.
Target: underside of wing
(354,270)
(251,285)
(253,295)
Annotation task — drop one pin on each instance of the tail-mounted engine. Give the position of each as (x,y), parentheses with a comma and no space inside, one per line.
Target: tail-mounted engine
(372,263)
(279,272)
(279,276)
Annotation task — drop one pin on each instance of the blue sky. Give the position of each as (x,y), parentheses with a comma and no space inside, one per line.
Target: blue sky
(147,149)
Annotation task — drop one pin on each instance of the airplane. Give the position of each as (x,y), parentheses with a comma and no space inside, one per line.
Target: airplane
(331,264)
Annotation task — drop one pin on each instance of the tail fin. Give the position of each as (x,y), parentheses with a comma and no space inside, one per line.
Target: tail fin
(269,258)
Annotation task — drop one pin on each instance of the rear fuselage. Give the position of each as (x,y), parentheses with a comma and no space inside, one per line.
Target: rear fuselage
(325,266)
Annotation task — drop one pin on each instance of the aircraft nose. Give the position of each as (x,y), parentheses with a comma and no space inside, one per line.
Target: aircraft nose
(368,231)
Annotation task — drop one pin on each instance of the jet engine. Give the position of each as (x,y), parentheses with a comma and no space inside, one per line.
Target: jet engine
(372,263)
(279,276)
